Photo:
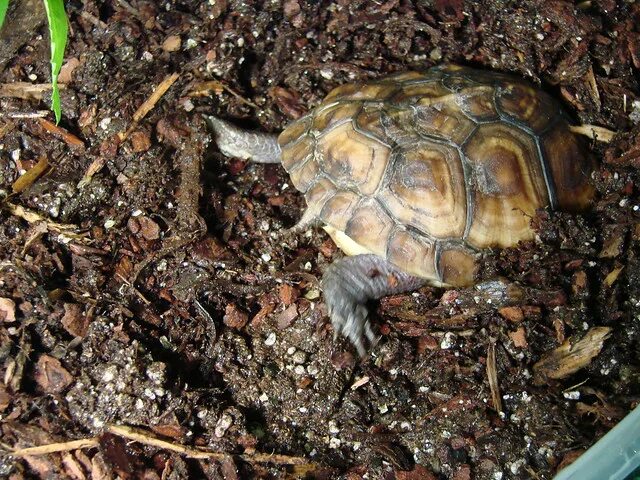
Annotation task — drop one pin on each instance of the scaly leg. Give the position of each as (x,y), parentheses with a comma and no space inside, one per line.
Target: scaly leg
(352,281)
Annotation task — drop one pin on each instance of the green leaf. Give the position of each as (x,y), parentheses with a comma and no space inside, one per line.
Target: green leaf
(4,4)
(58,30)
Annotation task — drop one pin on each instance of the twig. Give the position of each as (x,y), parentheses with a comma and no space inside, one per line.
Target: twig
(139,114)
(492,374)
(56,447)
(26,91)
(69,138)
(34,217)
(591,79)
(30,176)
(139,435)
(149,103)
(36,114)
(599,134)
(93,19)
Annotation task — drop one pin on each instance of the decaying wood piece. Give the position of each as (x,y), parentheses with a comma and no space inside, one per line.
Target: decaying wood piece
(570,357)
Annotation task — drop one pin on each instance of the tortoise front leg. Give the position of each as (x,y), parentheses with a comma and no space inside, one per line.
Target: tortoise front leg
(352,281)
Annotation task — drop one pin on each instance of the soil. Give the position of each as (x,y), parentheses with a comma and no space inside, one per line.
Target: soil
(148,281)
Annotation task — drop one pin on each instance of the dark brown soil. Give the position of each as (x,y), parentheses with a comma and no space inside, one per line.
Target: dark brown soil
(151,282)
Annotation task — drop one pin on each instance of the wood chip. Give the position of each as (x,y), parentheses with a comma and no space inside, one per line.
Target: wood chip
(612,276)
(205,89)
(593,85)
(144,227)
(612,246)
(288,294)
(51,375)
(360,382)
(172,43)
(519,338)
(72,468)
(74,320)
(287,317)
(570,357)
(418,472)
(66,71)
(5,398)
(7,310)
(234,317)
(513,314)
(140,141)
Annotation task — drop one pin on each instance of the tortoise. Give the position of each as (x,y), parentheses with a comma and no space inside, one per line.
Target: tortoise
(415,174)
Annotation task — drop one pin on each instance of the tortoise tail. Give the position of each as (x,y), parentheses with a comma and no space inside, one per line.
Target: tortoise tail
(235,142)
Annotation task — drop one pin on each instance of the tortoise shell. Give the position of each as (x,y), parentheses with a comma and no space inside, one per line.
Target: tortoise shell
(427,169)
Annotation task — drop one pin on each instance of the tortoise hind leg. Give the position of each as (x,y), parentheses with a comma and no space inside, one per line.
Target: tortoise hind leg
(235,142)
(352,281)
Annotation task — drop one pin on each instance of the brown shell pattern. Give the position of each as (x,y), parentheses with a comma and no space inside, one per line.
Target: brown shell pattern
(426,169)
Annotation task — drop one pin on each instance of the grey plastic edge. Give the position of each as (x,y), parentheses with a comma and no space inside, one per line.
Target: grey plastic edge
(613,457)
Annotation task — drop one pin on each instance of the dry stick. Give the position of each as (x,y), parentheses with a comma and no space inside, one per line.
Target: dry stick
(36,114)
(34,217)
(27,179)
(56,447)
(139,435)
(148,104)
(599,134)
(139,114)
(69,138)
(26,91)
(594,86)
(492,374)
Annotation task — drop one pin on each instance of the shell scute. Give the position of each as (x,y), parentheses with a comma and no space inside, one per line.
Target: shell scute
(332,115)
(444,121)
(478,104)
(377,91)
(412,253)
(337,211)
(370,226)
(457,266)
(426,190)
(508,183)
(352,159)
(531,107)
(414,92)
(296,152)
(316,196)
(294,131)
(571,171)
(303,175)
